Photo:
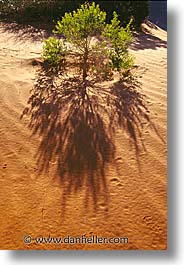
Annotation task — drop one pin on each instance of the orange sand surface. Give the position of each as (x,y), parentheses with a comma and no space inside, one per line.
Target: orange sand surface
(133,198)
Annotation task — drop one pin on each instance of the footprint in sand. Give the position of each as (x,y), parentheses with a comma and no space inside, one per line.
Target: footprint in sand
(103,206)
(156,229)
(119,158)
(116,181)
(5,166)
(149,221)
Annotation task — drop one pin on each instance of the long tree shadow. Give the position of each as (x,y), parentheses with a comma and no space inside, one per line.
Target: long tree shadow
(76,129)
(130,111)
(74,135)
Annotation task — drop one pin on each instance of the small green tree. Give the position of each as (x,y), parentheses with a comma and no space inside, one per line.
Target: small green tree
(100,47)
(79,27)
(119,38)
(54,52)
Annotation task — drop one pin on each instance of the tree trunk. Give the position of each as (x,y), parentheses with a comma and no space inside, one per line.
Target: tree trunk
(84,69)
(85,59)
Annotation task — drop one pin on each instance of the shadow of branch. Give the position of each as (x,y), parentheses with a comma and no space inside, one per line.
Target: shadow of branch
(146,40)
(73,134)
(76,123)
(130,111)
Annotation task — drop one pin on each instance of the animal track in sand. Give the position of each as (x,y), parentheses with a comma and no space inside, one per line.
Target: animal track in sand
(5,166)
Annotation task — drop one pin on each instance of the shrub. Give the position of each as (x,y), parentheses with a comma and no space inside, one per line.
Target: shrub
(81,25)
(119,38)
(54,53)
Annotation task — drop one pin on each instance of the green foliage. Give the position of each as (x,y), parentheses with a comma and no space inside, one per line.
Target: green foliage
(99,47)
(119,38)
(79,25)
(54,52)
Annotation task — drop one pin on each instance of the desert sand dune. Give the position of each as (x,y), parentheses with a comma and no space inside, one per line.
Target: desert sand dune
(132,199)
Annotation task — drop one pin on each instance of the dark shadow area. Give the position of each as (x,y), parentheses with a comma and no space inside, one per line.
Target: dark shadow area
(130,111)
(45,12)
(27,31)
(147,41)
(77,122)
(74,135)
(158,13)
